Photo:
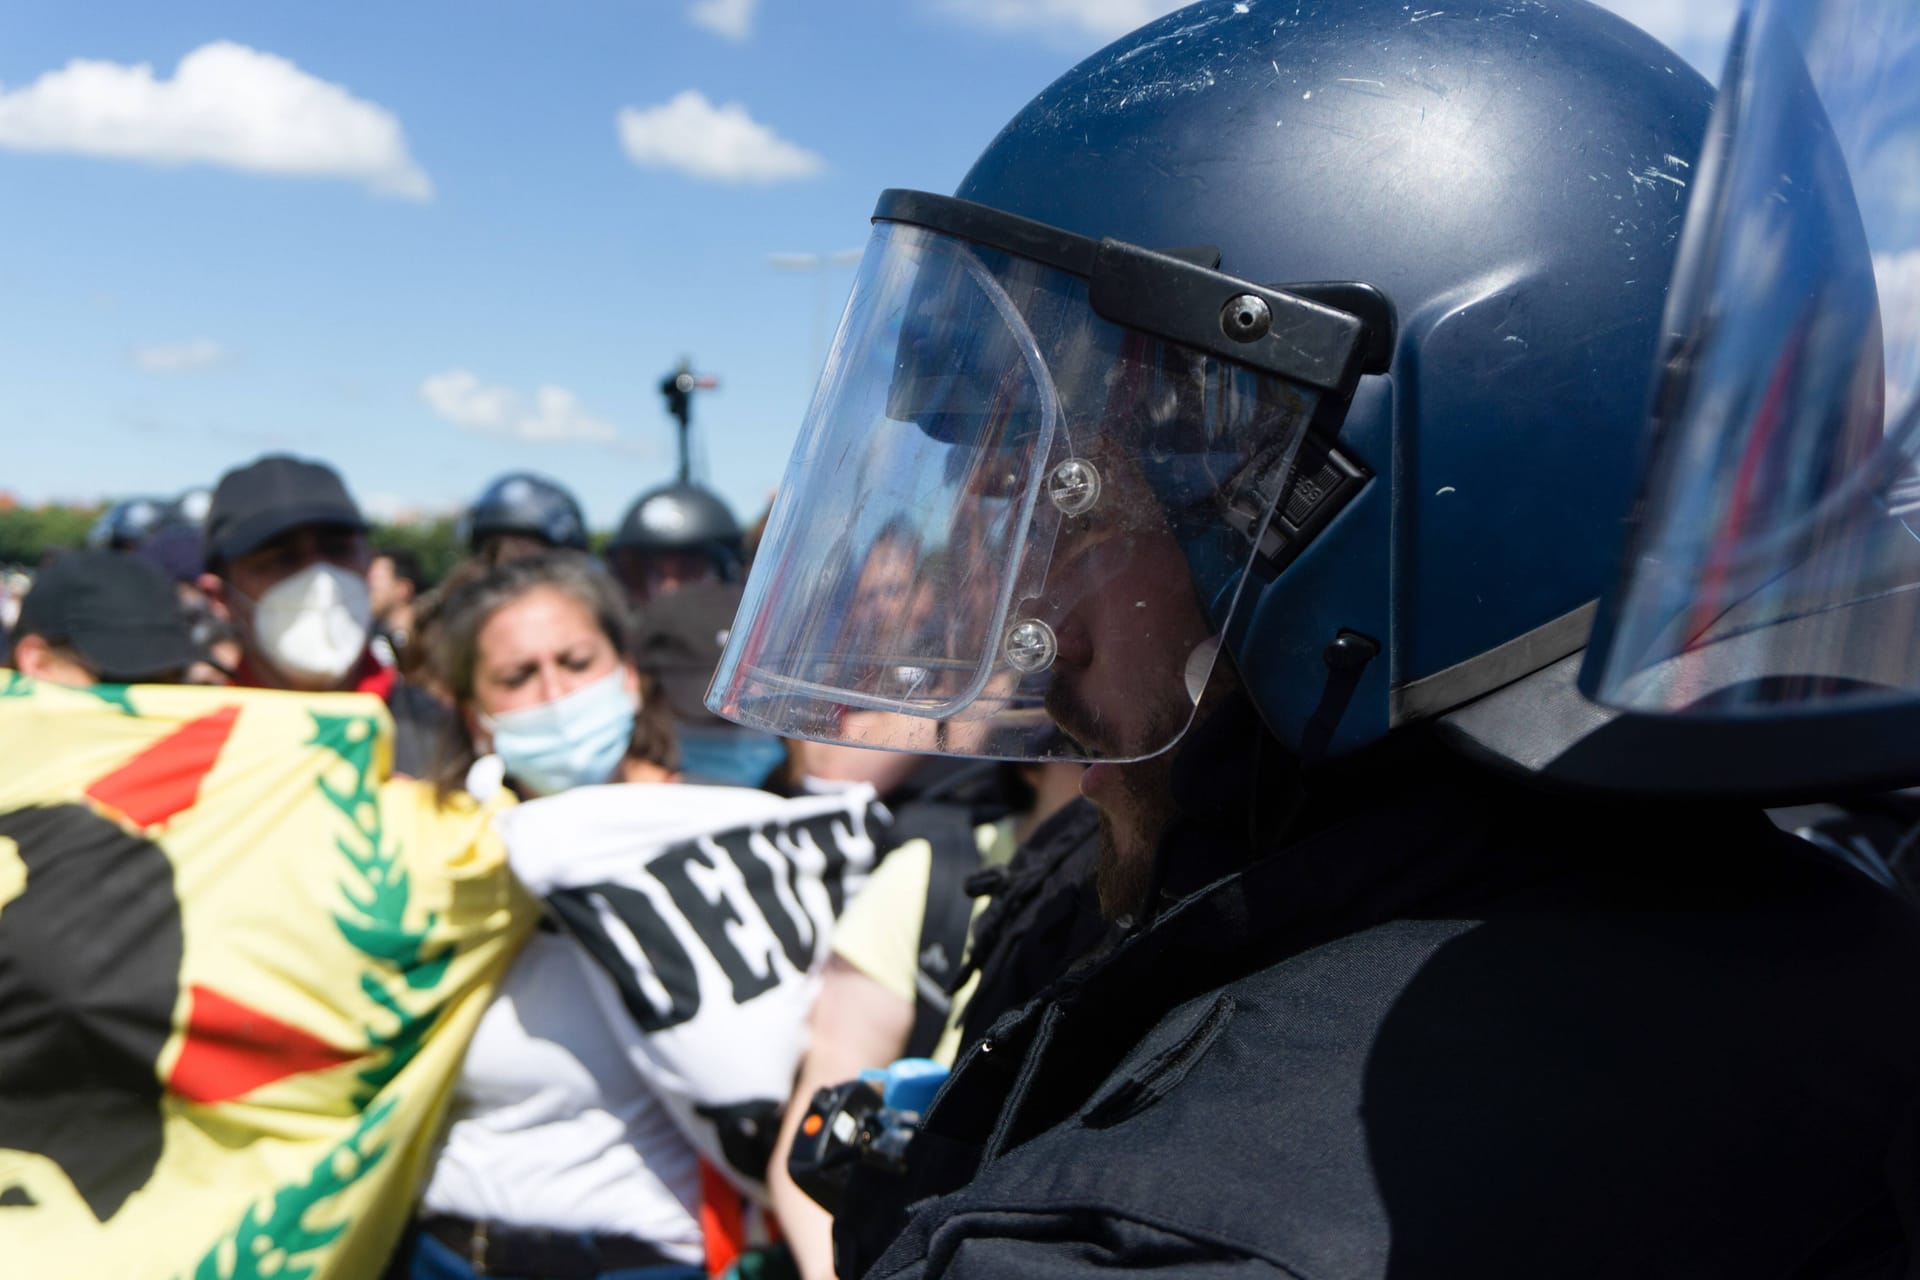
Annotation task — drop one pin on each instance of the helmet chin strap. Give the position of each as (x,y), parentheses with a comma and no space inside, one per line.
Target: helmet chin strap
(1232,780)
(1346,660)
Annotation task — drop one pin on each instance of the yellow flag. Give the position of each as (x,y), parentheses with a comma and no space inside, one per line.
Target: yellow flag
(239,966)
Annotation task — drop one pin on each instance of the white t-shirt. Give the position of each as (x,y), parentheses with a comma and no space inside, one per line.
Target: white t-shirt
(697,919)
(552,1127)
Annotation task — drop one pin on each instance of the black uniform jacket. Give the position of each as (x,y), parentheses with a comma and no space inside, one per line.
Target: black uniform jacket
(1477,1031)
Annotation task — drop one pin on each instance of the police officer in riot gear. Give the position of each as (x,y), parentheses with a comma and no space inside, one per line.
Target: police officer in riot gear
(677,552)
(674,536)
(127,523)
(521,514)
(1268,401)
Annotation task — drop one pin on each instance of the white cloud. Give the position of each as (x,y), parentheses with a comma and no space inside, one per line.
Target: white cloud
(1887,178)
(1898,276)
(732,19)
(720,144)
(1101,19)
(554,415)
(226,105)
(180,357)
(1697,30)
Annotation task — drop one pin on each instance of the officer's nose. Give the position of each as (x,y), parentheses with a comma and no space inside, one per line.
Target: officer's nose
(1066,607)
(1073,633)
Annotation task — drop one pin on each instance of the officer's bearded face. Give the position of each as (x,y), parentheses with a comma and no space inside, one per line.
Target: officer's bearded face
(1136,805)
(1119,680)
(1135,799)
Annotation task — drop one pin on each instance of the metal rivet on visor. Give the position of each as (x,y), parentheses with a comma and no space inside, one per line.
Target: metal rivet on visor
(1031,646)
(1074,486)
(1246,318)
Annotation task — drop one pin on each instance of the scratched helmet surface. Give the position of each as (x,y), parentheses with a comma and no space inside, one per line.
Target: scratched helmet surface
(1458,224)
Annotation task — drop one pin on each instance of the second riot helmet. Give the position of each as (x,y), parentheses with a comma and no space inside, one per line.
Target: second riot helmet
(525,505)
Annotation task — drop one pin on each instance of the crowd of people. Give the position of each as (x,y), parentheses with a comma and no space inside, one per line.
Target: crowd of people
(533,668)
(1328,822)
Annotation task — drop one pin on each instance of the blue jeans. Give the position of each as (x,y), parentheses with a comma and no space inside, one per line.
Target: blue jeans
(424,1258)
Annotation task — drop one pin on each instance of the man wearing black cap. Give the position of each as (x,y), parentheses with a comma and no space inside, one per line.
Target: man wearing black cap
(287,559)
(678,638)
(97,617)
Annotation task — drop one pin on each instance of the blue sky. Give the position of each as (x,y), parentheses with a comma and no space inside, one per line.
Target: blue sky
(433,241)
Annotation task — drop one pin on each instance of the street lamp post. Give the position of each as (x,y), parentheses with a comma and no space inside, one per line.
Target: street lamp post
(678,387)
(819,265)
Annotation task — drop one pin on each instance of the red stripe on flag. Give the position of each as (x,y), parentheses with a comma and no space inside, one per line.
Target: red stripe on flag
(231,1050)
(164,780)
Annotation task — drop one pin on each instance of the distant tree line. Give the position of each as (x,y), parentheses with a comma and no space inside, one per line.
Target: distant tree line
(431,541)
(435,543)
(27,534)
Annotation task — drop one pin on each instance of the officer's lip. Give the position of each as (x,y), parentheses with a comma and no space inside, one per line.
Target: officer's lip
(1090,745)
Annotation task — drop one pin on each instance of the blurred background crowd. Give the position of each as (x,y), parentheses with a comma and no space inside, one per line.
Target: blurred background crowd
(516,648)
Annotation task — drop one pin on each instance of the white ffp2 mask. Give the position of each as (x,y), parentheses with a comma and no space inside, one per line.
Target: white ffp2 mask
(313,626)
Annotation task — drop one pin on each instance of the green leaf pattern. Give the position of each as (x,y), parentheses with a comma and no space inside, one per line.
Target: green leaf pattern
(277,1241)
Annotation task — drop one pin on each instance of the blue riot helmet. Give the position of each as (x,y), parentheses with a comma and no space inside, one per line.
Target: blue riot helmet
(1322,333)
(521,504)
(183,515)
(1764,636)
(127,523)
(677,552)
(189,509)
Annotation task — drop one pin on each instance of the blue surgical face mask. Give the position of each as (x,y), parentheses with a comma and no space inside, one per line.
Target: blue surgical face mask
(569,742)
(736,757)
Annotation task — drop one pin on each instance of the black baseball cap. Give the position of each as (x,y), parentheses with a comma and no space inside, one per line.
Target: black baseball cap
(115,610)
(254,504)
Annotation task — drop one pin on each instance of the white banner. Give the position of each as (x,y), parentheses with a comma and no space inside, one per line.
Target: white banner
(709,909)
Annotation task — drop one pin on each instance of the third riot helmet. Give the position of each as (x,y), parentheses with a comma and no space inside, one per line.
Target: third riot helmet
(682,525)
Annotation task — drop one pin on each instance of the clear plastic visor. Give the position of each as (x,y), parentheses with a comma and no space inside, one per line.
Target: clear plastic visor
(1009,528)
(1774,566)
